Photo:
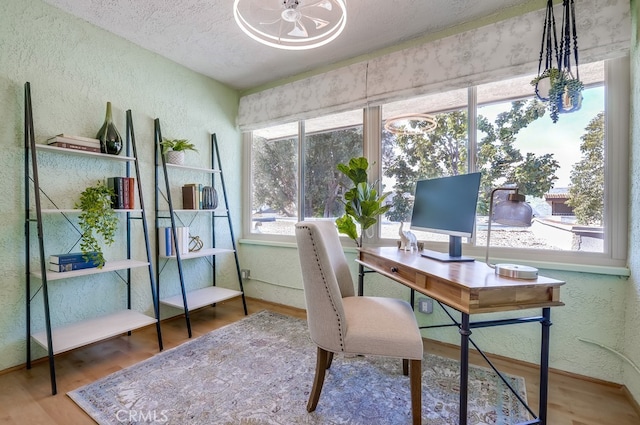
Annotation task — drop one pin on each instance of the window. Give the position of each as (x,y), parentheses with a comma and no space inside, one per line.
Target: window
(573,172)
(327,141)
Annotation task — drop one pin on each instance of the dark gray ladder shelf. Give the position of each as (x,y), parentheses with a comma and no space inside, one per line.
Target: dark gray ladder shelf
(188,300)
(58,339)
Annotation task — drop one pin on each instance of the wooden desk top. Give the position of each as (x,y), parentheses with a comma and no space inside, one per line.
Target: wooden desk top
(469,287)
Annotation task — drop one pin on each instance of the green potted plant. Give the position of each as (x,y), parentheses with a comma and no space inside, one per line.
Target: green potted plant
(97,218)
(544,82)
(362,204)
(173,149)
(565,95)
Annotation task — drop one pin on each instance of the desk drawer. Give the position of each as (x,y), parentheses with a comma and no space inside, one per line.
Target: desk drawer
(389,268)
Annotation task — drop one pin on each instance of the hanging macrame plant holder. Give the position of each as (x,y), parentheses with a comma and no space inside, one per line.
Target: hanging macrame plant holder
(560,86)
(548,52)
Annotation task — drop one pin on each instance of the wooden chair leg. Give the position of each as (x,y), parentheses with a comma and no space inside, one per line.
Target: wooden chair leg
(322,361)
(405,367)
(329,360)
(415,369)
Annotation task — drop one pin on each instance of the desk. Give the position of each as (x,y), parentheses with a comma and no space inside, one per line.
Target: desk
(471,287)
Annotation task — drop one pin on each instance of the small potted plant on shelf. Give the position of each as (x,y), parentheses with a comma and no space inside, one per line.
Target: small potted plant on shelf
(362,204)
(97,217)
(173,149)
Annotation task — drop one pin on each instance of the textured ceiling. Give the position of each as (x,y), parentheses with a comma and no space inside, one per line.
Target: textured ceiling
(203,36)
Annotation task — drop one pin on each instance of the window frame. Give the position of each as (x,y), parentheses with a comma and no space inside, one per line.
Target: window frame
(614,258)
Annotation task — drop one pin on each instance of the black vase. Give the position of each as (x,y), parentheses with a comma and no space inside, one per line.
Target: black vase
(110,140)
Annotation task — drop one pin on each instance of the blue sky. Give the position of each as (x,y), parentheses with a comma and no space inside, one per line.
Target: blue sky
(562,138)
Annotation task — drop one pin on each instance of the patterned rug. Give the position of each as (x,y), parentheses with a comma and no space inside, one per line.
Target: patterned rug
(259,371)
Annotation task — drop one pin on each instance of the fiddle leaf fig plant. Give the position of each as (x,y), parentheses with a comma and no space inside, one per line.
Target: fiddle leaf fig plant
(362,203)
(96,219)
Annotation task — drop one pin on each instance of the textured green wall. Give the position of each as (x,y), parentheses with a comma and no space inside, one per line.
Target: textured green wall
(74,69)
(631,347)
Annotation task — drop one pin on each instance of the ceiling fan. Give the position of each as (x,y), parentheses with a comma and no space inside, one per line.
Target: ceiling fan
(291,24)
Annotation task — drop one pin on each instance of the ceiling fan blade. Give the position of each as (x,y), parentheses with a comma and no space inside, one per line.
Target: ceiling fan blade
(319,23)
(298,30)
(325,4)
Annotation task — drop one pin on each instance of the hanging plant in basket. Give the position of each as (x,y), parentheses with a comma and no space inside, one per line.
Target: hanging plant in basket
(544,81)
(565,95)
(557,85)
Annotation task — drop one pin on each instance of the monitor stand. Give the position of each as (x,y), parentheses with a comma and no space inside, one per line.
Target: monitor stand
(455,252)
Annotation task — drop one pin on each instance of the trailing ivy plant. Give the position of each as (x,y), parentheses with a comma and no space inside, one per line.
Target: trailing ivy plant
(362,204)
(565,95)
(97,218)
(551,74)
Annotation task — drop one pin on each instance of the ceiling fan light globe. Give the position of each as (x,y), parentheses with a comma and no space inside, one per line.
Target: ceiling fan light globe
(291,15)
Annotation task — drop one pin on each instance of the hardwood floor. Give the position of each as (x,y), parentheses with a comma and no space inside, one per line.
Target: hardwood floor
(25,396)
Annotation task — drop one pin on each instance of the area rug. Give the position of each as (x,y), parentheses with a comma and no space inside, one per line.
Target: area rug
(259,370)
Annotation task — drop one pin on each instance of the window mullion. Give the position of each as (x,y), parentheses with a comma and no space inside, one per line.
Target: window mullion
(301,169)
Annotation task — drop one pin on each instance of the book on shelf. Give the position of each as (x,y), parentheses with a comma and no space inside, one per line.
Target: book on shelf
(71,257)
(166,241)
(75,140)
(132,192)
(61,268)
(192,196)
(124,192)
(67,145)
(189,198)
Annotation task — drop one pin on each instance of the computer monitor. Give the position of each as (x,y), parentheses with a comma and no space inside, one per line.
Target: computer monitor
(447,205)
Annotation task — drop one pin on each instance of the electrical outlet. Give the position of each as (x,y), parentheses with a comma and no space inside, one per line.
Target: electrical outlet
(245,274)
(425,305)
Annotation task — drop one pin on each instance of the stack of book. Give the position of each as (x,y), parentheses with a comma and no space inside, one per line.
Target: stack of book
(75,142)
(166,244)
(192,196)
(72,261)
(124,189)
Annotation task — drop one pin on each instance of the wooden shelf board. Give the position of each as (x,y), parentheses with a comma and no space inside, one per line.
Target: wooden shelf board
(202,297)
(88,331)
(202,253)
(109,266)
(84,153)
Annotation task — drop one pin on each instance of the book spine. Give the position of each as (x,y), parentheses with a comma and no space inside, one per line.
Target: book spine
(72,266)
(78,142)
(188,197)
(199,196)
(125,193)
(168,249)
(113,185)
(74,257)
(132,192)
(183,239)
(74,146)
(80,138)
(120,181)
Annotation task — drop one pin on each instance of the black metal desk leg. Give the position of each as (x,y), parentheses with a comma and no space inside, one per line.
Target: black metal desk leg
(360,280)
(544,365)
(464,367)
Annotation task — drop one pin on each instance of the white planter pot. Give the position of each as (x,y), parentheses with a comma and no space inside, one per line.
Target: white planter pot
(174,157)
